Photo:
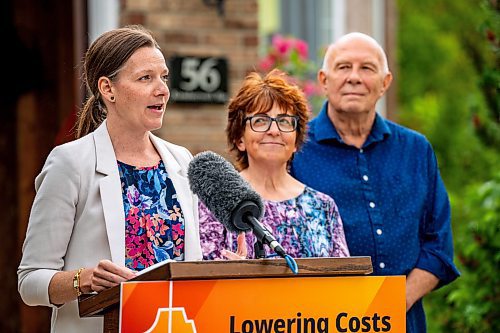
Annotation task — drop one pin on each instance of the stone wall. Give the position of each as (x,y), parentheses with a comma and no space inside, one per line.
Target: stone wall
(191,27)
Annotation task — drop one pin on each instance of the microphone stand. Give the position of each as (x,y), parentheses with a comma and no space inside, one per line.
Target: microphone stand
(259,251)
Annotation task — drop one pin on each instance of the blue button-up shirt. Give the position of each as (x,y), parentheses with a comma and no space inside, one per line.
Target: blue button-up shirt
(390,196)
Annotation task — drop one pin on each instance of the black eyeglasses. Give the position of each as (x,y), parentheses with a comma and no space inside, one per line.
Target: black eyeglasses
(262,122)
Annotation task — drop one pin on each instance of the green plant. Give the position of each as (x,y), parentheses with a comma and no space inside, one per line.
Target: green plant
(448,55)
(473,304)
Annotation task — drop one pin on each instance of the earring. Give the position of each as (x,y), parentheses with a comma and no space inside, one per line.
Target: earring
(112,98)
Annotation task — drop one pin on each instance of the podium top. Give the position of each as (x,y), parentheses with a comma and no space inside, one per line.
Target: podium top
(98,304)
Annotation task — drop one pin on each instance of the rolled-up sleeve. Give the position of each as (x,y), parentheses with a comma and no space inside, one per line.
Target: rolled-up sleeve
(436,255)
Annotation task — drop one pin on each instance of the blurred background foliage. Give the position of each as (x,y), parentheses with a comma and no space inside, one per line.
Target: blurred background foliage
(448,84)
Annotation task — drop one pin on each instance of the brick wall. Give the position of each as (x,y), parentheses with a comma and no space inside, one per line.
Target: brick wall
(190,27)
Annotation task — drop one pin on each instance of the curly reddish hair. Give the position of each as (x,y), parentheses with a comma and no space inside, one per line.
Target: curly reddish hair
(259,94)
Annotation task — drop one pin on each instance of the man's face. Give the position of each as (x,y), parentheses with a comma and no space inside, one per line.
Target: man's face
(355,78)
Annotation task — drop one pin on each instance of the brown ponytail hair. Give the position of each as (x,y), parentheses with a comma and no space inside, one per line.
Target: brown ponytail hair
(105,57)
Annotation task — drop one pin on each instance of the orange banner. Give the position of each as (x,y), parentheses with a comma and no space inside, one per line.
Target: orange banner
(277,305)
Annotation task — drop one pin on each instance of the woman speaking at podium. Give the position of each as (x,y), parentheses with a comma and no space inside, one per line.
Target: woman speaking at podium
(117,199)
(266,125)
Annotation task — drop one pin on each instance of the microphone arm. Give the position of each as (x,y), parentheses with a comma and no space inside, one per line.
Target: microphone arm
(263,235)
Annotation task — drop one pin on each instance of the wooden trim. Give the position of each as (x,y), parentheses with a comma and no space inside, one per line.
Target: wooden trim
(107,300)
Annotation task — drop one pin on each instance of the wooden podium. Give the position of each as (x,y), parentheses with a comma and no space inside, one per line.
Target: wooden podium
(107,303)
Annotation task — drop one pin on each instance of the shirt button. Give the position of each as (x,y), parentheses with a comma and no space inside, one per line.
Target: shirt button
(379,232)
(361,150)
(365,178)
(381,265)
(372,204)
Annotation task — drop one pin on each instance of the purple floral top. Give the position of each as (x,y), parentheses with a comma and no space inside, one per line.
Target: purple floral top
(306,226)
(154,223)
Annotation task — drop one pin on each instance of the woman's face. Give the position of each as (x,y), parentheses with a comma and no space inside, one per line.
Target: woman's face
(140,91)
(272,147)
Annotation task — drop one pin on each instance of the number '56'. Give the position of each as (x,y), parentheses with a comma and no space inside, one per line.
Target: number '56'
(201,74)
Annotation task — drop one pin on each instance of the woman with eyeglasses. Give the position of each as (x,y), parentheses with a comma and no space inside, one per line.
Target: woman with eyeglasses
(266,125)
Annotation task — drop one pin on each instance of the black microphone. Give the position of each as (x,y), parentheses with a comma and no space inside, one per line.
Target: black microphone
(229,197)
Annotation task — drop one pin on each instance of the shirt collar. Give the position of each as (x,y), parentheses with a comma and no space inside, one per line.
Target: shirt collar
(380,130)
(323,127)
(325,131)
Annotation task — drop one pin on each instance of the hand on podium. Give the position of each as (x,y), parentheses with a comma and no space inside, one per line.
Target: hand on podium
(106,275)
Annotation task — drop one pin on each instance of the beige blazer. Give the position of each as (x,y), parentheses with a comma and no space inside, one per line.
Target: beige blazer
(78,219)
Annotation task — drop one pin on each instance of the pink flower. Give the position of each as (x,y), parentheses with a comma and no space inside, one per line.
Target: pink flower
(267,63)
(311,88)
(290,54)
(302,48)
(282,45)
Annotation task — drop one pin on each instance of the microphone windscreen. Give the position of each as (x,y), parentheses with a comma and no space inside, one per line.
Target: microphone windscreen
(220,187)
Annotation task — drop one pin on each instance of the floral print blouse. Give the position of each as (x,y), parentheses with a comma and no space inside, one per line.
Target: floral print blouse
(306,226)
(154,223)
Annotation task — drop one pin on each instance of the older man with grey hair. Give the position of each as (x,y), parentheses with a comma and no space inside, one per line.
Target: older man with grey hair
(383,176)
